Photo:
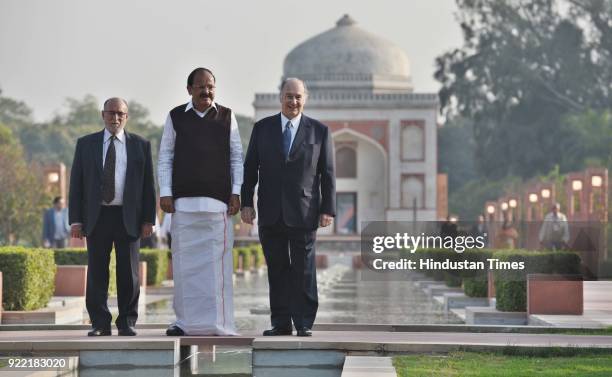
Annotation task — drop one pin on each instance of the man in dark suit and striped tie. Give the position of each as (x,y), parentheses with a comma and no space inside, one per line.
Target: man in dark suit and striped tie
(112,202)
(290,156)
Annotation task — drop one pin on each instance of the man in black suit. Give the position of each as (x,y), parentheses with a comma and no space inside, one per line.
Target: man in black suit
(112,202)
(291,157)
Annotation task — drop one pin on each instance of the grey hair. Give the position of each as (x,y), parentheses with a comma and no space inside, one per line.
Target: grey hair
(286,81)
(114,99)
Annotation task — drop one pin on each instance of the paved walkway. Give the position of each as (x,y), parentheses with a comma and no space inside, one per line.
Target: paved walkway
(372,341)
(597,309)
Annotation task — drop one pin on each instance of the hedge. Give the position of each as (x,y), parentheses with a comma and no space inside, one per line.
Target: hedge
(79,257)
(475,281)
(246,258)
(28,277)
(157,265)
(511,285)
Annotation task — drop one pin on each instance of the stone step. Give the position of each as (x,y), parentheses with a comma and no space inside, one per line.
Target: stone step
(368,366)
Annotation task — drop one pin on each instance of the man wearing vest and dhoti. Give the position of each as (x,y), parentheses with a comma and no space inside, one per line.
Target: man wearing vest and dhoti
(200,174)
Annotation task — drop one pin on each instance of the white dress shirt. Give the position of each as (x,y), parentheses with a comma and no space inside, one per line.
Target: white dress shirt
(295,123)
(166,157)
(120,164)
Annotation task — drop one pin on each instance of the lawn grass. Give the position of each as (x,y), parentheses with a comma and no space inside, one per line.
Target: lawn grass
(474,364)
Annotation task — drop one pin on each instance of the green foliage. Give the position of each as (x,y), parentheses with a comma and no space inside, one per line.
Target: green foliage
(523,68)
(511,284)
(157,265)
(28,277)
(468,201)
(23,198)
(79,257)
(245,253)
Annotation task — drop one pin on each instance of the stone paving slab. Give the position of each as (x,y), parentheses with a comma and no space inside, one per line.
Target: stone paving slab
(427,342)
(368,366)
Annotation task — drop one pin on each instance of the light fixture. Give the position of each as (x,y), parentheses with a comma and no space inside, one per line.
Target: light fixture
(545,193)
(504,206)
(490,209)
(596,181)
(576,185)
(513,203)
(53,177)
(533,198)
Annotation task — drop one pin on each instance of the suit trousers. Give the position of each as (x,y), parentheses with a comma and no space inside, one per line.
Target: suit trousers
(292,275)
(109,231)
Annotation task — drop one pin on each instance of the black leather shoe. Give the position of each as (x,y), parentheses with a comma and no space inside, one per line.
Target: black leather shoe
(99,332)
(303,332)
(175,331)
(126,331)
(276,331)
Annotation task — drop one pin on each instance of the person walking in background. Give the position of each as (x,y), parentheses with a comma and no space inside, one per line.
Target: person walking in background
(554,233)
(291,157)
(507,237)
(112,202)
(55,225)
(200,174)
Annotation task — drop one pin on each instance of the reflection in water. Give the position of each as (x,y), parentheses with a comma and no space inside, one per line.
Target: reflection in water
(343,298)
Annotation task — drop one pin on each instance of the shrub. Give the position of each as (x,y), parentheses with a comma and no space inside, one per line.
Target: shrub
(259,258)
(79,257)
(246,258)
(28,277)
(157,265)
(511,285)
(475,281)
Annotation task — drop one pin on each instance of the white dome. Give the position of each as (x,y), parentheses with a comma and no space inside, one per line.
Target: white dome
(347,56)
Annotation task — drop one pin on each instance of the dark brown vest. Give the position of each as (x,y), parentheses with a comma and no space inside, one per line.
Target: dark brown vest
(201,165)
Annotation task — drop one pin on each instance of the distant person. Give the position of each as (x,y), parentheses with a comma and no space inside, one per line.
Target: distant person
(112,202)
(55,225)
(449,228)
(554,233)
(480,229)
(507,237)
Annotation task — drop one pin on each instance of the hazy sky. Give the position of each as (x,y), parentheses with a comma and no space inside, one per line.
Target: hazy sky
(143,50)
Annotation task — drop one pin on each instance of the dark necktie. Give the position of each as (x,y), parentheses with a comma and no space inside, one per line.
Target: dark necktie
(108,177)
(287,139)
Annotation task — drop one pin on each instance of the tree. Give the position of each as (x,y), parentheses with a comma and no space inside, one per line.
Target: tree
(23,196)
(524,66)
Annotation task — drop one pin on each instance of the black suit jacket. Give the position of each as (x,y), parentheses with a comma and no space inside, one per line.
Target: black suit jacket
(86,183)
(302,186)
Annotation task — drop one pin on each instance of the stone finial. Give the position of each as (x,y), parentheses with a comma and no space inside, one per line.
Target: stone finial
(346,20)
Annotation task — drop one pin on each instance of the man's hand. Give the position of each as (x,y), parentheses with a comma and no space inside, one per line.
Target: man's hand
(147,230)
(167,204)
(234,205)
(325,220)
(76,231)
(248,215)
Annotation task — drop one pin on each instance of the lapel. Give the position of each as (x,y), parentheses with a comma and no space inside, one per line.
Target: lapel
(98,149)
(302,132)
(277,137)
(130,150)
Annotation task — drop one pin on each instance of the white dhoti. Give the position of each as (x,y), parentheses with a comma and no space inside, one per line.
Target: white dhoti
(202,266)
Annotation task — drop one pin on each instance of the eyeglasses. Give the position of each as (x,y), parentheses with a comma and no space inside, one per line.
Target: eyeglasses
(112,114)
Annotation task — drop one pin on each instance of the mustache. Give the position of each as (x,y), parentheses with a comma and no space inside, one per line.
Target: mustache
(205,96)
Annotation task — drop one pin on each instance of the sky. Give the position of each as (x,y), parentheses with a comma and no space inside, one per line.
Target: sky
(143,50)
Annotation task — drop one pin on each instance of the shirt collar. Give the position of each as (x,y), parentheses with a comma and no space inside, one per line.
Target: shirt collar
(190,106)
(295,122)
(120,135)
